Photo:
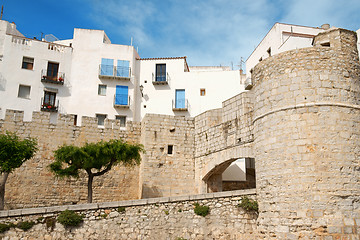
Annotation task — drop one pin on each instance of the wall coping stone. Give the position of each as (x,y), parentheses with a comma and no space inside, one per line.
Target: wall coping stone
(126,203)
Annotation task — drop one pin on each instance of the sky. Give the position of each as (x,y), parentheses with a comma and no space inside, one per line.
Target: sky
(208,32)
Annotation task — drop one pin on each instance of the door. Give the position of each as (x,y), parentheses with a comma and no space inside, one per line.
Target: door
(123,68)
(180,98)
(107,67)
(52,71)
(121,96)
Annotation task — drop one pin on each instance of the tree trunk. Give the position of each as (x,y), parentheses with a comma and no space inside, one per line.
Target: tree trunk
(3,178)
(90,181)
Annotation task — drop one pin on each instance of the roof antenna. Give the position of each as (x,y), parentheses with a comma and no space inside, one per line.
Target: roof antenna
(2,12)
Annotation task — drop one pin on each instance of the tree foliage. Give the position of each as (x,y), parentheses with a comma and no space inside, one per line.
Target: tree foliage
(95,159)
(14,151)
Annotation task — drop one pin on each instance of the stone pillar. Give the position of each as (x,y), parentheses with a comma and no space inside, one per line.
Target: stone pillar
(307,135)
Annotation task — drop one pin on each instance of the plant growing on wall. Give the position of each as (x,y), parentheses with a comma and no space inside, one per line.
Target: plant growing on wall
(201,210)
(249,204)
(69,218)
(95,159)
(13,153)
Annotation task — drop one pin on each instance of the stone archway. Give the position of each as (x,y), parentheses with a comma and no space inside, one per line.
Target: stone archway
(214,178)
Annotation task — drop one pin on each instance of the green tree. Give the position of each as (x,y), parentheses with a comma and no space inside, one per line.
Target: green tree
(13,153)
(95,159)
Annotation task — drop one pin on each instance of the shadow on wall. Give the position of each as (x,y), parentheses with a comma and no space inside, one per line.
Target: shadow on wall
(150,192)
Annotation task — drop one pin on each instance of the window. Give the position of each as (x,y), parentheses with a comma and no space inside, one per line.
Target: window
(170,149)
(52,71)
(202,91)
(49,99)
(121,96)
(102,90)
(123,69)
(101,119)
(160,73)
(107,67)
(180,98)
(28,63)
(24,91)
(122,120)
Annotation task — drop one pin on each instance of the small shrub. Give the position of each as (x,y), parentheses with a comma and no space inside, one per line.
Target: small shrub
(249,204)
(40,219)
(139,211)
(25,225)
(4,227)
(50,223)
(121,209)
(70,218)
(166,212)
(103,215)
(180,210)
(201,210)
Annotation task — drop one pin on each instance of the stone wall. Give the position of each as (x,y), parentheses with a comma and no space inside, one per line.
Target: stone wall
(33,185)
(158,218)
(306,127)
(164,173)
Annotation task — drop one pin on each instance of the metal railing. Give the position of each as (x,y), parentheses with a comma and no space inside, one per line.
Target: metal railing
(180,105)
(59,77)
(110,71)
(160,79)
(120,101)
(49,106)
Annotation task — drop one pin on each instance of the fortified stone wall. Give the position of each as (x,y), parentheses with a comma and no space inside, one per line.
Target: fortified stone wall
(164,173)
(158,218)
(33,185)
(222,136)
(306,127)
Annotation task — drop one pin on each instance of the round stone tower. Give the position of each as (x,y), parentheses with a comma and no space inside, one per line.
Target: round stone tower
(307,140)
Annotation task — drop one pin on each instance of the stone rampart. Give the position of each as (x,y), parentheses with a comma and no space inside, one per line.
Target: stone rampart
(33,185)
(156,218)
(167,167)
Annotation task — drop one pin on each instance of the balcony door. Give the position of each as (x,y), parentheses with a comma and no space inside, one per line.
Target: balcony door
(121,96)
(180,98)
(52,70)
(107,67)
(160,73)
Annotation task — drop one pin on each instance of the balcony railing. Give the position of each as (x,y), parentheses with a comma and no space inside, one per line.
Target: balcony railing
(49,107)
(58,79)
(116,72)
(248,84)
(160,79)
(180,105)
(122,101)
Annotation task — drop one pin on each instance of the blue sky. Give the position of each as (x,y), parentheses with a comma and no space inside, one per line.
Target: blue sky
(211,32)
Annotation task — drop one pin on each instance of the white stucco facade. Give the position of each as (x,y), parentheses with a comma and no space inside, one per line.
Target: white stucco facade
(281,37)
(16,76)
(84,79)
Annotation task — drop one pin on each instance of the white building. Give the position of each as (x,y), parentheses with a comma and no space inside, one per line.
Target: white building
(90,76)
(34,75)
(282,37)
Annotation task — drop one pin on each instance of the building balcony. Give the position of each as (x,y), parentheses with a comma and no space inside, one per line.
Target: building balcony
(46,77)
(121,101)
(180,105)
(114,72)
(160,79)
(248,84)
(49,107)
